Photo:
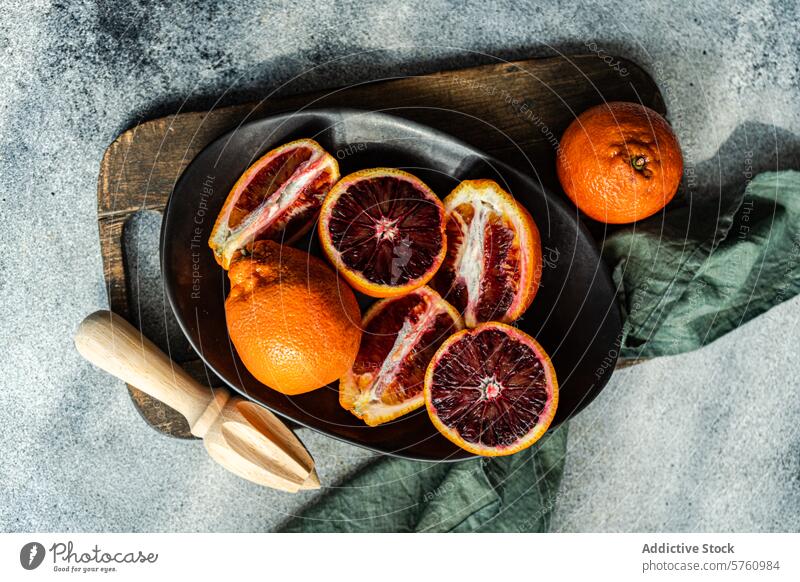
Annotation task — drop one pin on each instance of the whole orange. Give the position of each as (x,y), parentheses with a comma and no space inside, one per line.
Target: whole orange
(619,162)
(295,326)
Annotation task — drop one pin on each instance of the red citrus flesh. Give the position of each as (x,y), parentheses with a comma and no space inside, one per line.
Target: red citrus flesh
(383,229)
(494,257)
(277,198)
(491,390)
(400,336)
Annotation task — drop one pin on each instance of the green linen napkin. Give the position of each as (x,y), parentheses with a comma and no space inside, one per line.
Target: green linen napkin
(515,493)
(709,267)
(684,281)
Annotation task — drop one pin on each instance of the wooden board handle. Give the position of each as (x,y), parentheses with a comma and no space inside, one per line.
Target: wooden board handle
(111,343)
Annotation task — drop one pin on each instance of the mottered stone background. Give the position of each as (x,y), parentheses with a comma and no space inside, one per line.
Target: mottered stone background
(703,441)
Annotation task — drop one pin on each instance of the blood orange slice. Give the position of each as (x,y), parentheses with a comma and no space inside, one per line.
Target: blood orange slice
(400,336)
(383,229)
(277,198)
(491,390)
(494,254)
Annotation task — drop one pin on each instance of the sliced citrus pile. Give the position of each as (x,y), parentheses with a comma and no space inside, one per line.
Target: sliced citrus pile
(491,390)
(400,336)
(277,198)
(383,229)
(494,256)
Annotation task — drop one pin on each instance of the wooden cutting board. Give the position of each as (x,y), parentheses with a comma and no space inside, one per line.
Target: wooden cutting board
(514,110)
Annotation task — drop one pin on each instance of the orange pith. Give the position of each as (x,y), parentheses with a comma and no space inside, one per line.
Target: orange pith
(293,325)
(400,335)
(276,198)
(383,230)
(619,162)
(491,390)
(494,256)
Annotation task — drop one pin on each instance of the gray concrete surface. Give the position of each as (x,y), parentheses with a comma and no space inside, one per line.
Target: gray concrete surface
(705,441)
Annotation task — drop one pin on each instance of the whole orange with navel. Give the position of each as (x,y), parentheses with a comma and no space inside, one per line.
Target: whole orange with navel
(619,162)
(294,324)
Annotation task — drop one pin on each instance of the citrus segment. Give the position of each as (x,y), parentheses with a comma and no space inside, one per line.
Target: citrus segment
(383,229)
(491,390)
(294,327)
(400,336)
(494,257)
(277,198)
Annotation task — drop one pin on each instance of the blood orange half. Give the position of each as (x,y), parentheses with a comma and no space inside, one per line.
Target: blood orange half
(277,198)
(400,336)
(491,390)
(383,229)
(494,254)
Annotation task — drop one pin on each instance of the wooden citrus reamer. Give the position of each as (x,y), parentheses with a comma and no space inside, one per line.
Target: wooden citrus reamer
(245,438)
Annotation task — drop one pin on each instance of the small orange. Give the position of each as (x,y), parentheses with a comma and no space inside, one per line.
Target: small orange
(619,162)
(294,326)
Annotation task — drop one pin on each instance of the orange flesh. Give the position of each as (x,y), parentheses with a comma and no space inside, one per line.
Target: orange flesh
(277,198)
(386,229)
(491,390)
(483,268)
(266,183)
(400,337)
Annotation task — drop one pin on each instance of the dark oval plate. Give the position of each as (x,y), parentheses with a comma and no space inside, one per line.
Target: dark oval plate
(574,315)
